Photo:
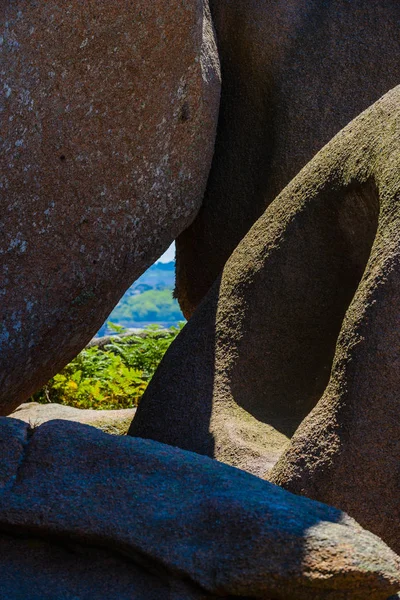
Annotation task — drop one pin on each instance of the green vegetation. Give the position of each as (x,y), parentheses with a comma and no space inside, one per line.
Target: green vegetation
(113,376)
(151,305)
(116,374)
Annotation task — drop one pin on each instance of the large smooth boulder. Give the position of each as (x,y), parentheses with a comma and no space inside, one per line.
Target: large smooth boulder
(183,516)
(294,74)
(107,120)
(307,311)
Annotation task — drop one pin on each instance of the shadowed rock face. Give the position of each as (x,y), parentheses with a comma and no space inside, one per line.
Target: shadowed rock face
(307,306)
(108,116)
(294,73)
(48,570)
(194,523)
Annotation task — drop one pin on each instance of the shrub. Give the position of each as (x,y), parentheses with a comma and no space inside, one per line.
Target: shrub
(111,376)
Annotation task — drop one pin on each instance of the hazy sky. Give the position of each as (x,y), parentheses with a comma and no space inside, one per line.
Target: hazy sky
(168,254)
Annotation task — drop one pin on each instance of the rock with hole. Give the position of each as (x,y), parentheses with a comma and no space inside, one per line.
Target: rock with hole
(305,319)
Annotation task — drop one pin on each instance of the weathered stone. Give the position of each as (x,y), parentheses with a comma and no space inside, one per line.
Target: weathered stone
(307,310)
(186,515)
(115,422)
(107,120)
(294,73)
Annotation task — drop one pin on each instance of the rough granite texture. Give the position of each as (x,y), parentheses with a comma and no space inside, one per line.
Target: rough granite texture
(108,113)
(115,422)
(183,514)
(294,72)
(307,311)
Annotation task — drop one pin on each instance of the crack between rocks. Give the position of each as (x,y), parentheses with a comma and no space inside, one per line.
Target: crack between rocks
(13,480)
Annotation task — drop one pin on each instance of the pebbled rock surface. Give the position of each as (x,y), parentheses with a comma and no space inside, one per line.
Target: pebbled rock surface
(219,528)
(115,422)
(305,316)
(295,72)
(108,116)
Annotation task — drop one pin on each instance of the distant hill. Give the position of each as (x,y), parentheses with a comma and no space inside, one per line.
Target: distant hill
(159,276)
(152,306)
(149,300)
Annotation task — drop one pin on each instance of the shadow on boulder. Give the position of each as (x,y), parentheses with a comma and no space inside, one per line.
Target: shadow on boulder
(183,520)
